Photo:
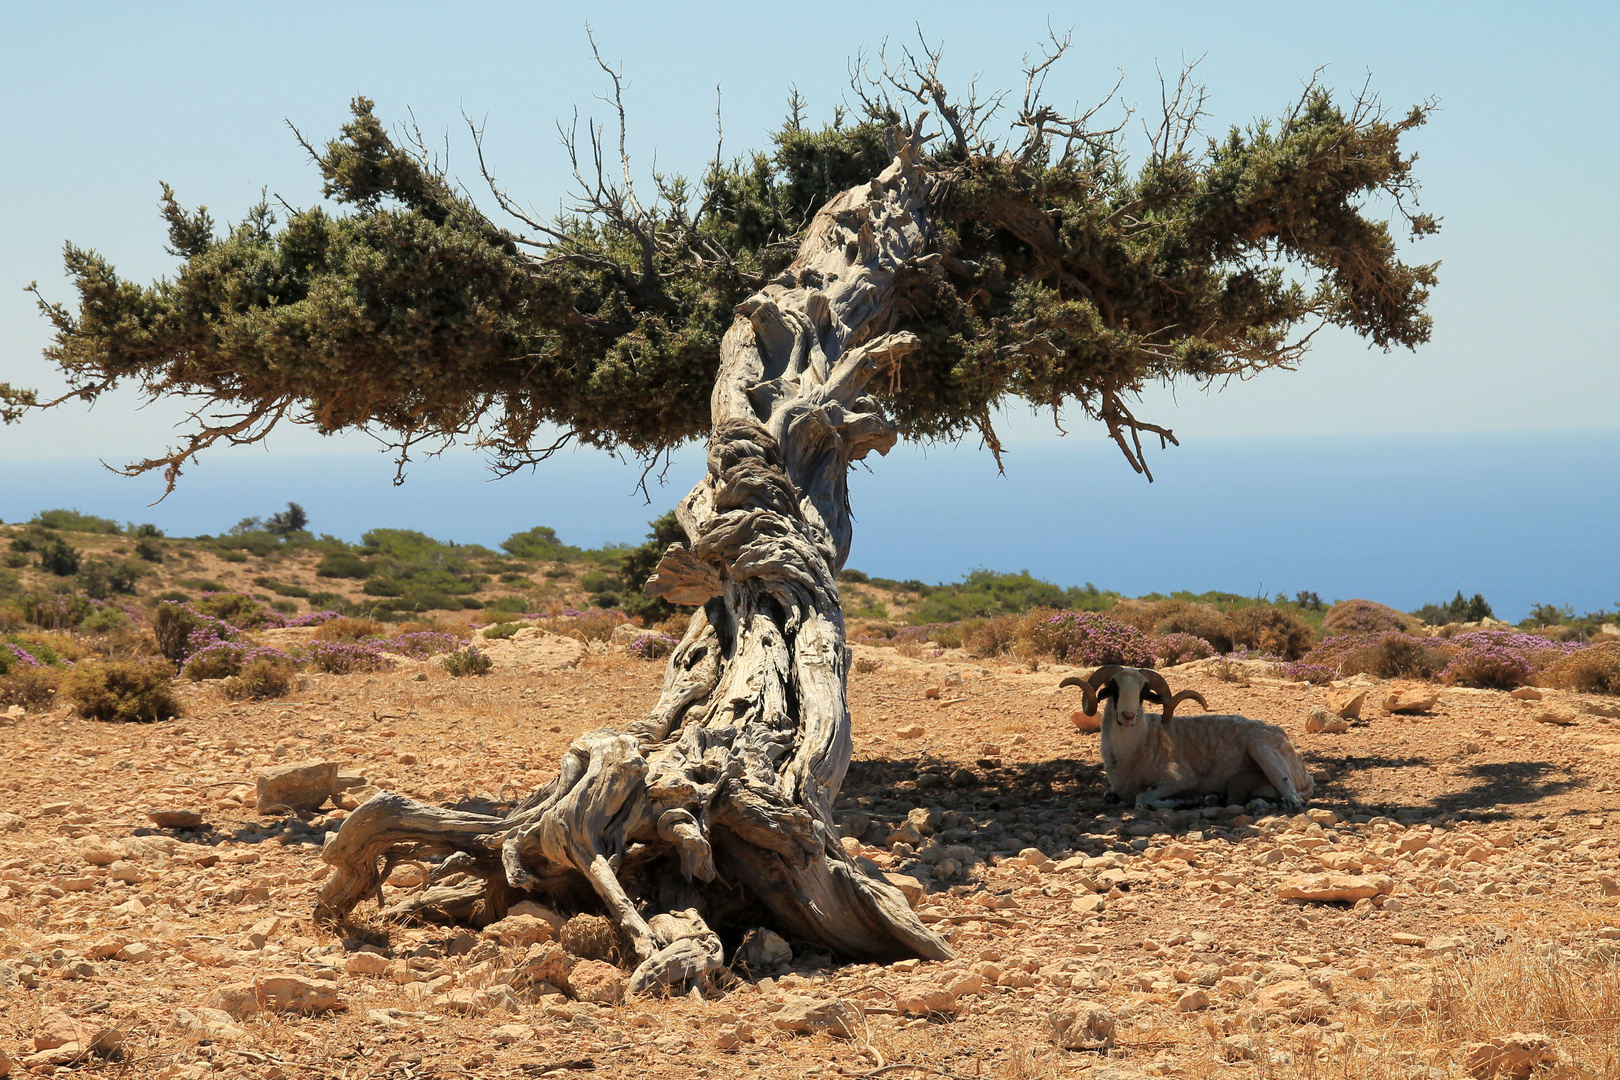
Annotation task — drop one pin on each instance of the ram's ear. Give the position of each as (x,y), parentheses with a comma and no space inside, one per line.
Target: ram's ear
(1110,690)
(1150,695)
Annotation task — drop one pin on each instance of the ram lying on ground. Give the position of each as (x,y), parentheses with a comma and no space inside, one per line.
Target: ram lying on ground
(1160,760)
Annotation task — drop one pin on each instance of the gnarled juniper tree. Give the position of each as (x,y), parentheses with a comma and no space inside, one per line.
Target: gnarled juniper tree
(897,276)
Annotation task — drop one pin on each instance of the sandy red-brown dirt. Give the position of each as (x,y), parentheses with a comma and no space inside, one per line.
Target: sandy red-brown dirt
(1518,821)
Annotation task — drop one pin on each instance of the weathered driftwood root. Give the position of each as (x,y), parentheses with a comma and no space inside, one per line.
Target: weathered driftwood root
(716,807)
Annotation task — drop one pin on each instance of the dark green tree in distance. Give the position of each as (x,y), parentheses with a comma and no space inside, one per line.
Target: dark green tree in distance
(899,272)
(291,520)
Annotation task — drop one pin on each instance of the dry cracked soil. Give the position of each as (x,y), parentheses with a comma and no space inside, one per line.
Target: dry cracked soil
(1092,940)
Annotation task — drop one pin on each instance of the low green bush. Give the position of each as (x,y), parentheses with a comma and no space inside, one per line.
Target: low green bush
(57,556)
(503,630)
(259,680)
(342,564)
(121,690)
(73,521)
(149,549)
(468,661)
(33,688)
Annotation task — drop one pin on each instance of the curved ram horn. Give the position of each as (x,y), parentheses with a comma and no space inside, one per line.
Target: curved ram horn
(1156,683)
(1185,695)
(1102,675)
(1088,695)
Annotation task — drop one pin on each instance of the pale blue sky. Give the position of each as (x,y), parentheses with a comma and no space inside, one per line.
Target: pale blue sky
(102,101)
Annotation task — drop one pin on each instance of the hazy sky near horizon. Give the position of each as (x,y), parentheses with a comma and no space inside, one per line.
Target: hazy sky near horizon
(103,101)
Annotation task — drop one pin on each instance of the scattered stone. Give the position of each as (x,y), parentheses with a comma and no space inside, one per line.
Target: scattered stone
(57,1029)
(1294,998)
(1516,1055)
(301,786)
(521,930)
(286,992)
(136,952)
(7,1063)
(174,819)
(1445,946)
(1346,704)
(1557,717)
(539,911)
(1080,1025)
(210,1023)
(764,950)
(547,963)
(925,999)
(1239,1048)
(10,822)
(1321,720)
(1609,884)
(1526,693)
(598,982)
(1035,857)
(837,1017)
(366,963)
(1192,1001)
(1334,888)
(911,731)
(1090,904)
(1408,939)
(106,948)
(507,1034)
(910,886)
(1601,708)
(1411,702)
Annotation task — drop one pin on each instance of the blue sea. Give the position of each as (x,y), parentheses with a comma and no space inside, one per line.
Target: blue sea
(1524,518)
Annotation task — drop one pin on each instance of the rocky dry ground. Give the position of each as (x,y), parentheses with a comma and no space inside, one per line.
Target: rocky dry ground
(1091,941)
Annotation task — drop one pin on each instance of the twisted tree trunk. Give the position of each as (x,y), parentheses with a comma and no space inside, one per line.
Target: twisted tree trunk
(716,807)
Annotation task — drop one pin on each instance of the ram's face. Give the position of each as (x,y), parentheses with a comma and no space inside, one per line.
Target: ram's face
(1129,693)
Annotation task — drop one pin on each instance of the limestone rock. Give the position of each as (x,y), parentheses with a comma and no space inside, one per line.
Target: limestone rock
(1516,1055)
(1526,693)
(1334,888)
(7,1063)
(239,1000)
(286,992)
(1346,704)
(1601,708)
(1411,701)
(763,950)
(533,649)
(1557,717)
(837,1017)
(910,731)
(924,999)
(210,1023)
(598,982)
(521,930)
(544,963)
(1321,720)
(366,963)
(1081,1025)
(1239,1048)
(539,911)
(304,785)
(910,886)
(1192,1001)
(57,1029)
(506,1034)
(1090,904)
(1296,999)
(1609,884)
(174,819)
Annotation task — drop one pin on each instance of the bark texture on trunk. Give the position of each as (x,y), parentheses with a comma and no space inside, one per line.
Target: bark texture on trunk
(716,806)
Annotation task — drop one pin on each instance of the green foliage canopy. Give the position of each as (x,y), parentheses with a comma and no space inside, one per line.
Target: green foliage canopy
(1065,277)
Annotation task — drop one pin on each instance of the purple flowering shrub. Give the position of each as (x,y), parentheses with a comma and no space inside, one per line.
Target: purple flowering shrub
(1085,637)
(1387,654)
(1364,617)
(223,659)
(1492,666)
(1181,648)
(1305,671)
(343,657)
(419,644)
(653,646)
(591,624)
